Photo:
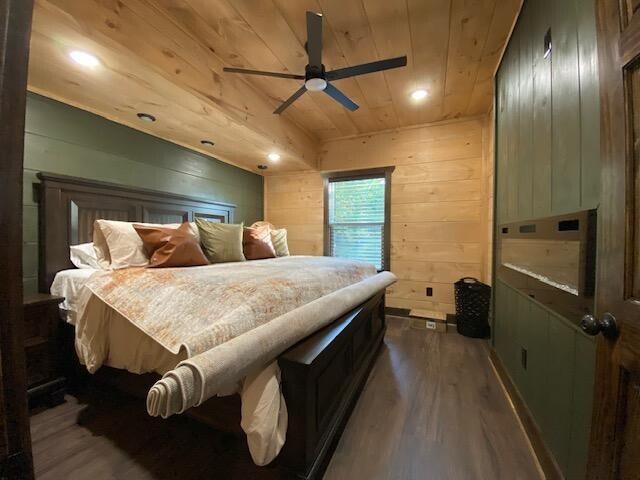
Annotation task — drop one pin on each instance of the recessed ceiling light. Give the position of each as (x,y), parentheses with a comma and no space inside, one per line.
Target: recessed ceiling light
(419,94)
(273,156)
(208,143)
(146,117)
(262,167)
(85,59)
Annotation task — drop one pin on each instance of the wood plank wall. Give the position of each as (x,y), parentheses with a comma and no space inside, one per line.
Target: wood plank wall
(548,110)
(295,202)
(63,139)
(440,205)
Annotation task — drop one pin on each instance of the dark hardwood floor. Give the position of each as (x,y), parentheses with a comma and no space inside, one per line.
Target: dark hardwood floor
(432,409)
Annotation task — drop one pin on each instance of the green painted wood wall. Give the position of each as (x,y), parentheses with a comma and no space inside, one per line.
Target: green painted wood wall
(66,140)
(547,133)
(557,382)
(548,163)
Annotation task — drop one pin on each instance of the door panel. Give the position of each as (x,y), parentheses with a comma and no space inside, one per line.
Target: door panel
(560,386)
(581,408)
(538,364)
(511,359)
(629,466)
(615,449)
(498,334)
(520,321)
(633,94)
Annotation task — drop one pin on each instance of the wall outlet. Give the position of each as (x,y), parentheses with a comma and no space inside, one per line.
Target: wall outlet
(431,325)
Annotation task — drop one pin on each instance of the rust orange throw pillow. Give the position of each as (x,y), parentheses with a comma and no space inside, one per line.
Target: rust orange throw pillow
(171,247)
(256,243)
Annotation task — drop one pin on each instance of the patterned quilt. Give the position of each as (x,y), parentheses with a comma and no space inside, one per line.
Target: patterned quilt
(199,308)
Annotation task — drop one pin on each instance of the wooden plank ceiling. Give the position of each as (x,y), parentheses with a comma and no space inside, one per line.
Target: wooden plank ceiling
(165,57)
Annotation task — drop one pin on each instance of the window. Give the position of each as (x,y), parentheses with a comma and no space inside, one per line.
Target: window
(357,216)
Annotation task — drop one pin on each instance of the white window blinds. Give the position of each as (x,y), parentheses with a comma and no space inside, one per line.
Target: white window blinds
(356,219)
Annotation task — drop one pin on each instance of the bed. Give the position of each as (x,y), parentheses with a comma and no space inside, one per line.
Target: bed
(321,375)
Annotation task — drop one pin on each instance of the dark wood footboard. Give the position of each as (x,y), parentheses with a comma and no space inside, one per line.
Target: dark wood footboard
(322,377)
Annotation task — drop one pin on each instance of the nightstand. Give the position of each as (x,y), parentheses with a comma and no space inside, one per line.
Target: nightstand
(41,336)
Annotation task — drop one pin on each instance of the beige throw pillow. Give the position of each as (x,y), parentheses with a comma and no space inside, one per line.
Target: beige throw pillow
(221,242)
(279,240)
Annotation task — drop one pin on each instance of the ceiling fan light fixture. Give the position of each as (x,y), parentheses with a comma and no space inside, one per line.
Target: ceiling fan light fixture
(315,84)
(273,156)
(85,59)
(419,94)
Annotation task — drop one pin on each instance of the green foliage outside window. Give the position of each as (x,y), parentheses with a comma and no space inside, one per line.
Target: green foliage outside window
(356,219)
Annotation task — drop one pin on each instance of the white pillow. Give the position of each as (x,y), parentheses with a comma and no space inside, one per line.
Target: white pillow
(84,256)
(118,245)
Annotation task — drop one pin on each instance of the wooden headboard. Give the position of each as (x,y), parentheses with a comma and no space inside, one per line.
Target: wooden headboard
(68,207)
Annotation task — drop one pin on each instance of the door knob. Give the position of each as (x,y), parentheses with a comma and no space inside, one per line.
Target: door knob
(607,325)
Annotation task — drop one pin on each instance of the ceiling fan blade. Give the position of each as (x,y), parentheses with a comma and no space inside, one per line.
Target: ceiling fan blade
(340,97)
(367,68)
(314,39)
(290,100)
(266,74)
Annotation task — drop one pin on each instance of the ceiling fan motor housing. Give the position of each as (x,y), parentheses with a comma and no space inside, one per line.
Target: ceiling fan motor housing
(314,78)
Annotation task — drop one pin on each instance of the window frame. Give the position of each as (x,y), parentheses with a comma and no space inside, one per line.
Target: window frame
(364,174)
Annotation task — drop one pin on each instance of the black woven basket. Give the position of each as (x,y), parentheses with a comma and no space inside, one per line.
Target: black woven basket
(472,307)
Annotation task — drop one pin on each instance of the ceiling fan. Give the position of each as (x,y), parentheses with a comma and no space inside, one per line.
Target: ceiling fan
(315,78)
